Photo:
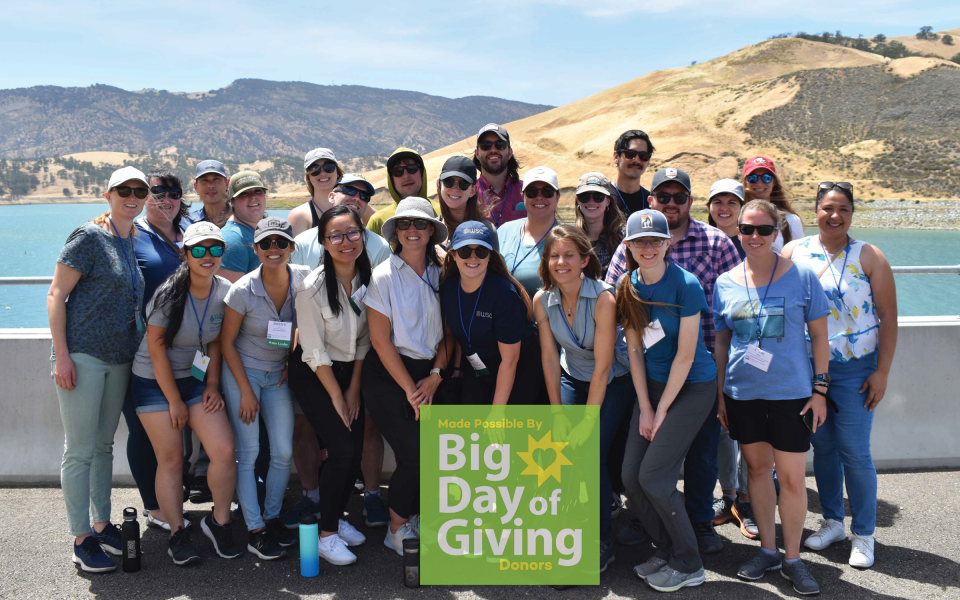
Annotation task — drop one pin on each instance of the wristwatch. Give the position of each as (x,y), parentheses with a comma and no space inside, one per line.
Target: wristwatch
(436,371)
(822,380)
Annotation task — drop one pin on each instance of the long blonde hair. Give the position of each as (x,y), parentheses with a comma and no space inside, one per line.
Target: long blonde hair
(104,221)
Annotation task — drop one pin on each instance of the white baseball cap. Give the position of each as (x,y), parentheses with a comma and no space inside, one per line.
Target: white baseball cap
(126,174)
(726,186)
(542,174)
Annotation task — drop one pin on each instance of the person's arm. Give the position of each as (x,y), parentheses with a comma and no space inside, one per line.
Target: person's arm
(686,351)
(618,265)
(249,405)
(64,280)
(604,342)
(638,372)
(212,400)
(877,269)
(721,355)
(787,250)
(550,360)
(352,393)
(300,219)
(507,373)
(163,372)
(820,344)
(427,387)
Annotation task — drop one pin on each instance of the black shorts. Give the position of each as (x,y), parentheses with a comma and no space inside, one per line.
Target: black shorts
(776,422)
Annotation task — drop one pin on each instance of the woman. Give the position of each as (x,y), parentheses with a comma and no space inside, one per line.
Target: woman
(599,217)
(335,338)
(258,326)
(95,336)
(489,314)
(766,386)
(578,312)
(522,240)
(176,376)
(723,205)
(457,191)
(403,369)
(860,288)
(660,307)
(322,173)
(248,196)
(762,183)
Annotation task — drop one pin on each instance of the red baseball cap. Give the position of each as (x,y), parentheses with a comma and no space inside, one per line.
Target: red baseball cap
(759,162)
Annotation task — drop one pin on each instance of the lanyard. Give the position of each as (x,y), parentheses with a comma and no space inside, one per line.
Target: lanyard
(317,208)
(469,329)
(624,202)
(435,290)
(503,200)
(756,317)
(242,222)
(517,263)
(576,311)
(200,319)
(163,241)
(133,275)
(646,289)
(846,255)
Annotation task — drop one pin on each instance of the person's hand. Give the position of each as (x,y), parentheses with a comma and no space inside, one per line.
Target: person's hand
(818,404)
(561,427)
(428,387)
(496,434)
(249,407)
(179,413)
(722,413)
(65,373)
(340,405)
(657,422)
(352,397)
(646,423)
(212,400)
(415,397)
(581,433)
(877,384)
(283,376)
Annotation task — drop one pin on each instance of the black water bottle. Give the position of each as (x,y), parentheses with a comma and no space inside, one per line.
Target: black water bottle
(411,562)
(130,533)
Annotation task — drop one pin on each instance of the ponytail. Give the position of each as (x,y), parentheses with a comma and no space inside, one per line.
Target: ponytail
(171,298)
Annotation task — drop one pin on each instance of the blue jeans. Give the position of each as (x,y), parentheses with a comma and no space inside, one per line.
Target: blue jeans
(700,469)
(276,408)
(615,408)
(841,448)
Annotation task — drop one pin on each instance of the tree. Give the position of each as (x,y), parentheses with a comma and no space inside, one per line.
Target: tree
(66,192)
(924,32)
(895,49)
(947,40)
(956,58)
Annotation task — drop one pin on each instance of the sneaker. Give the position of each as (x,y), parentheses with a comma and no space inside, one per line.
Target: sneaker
(707,539)
(261,545)
(861,555)
(748,524)
(291,518)
(375,512)
(91,557)
(757,566)
(334,551)
(110,539)
(180,550)
(394,540)
(803,582)
(616,507)
(632,534)
(606,555)
(671,580)
(349,534)
(653,564)
(281,535)
(158,524)
(722,510)
(220,535)
(830,531)
(415,524)
(199,492)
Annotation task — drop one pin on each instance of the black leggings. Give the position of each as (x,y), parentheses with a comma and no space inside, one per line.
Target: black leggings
(387,403)
(344,446)
(528,382)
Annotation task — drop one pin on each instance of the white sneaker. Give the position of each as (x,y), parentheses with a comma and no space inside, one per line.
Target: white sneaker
(349,534)
(861,555)
(415,523)
(394,541)
(334,551)
(830,531)
(157,523)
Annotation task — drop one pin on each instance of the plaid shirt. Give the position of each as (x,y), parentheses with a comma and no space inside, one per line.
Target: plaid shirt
(502,210)
(706,252)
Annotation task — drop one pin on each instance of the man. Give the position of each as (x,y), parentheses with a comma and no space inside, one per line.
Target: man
(707,253)
(631,153)
(499,185)
(406,176)
(210,183)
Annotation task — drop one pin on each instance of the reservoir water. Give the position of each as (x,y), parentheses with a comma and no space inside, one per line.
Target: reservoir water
(31,237)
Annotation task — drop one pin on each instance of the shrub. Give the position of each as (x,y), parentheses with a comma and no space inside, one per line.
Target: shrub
(947,40)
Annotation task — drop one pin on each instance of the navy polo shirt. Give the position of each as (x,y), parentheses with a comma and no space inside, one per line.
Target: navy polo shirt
(156,259)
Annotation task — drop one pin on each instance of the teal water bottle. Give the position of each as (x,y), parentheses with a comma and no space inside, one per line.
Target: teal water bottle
(309,546)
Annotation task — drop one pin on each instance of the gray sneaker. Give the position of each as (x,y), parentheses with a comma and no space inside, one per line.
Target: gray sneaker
(803,582)
(757,566)
(653,564)
(631,534)
(606,555)
(671,580)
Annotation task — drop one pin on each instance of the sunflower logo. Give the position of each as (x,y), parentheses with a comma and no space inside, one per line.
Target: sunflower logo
(545,444)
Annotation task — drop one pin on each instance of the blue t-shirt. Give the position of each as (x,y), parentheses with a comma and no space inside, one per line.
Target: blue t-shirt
(793,300)
(157,260)
(497,312)
(682,290)
(523,259)
(238,255)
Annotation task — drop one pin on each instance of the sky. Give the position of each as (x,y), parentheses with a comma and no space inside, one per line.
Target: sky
(539,51)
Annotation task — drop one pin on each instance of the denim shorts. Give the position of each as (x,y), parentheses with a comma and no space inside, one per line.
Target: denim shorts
(148,397)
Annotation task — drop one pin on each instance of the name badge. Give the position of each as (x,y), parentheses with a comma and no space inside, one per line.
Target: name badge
(200,364)
(357,299)
(136,315)
(279,333)
(653,334)
(758,357)
(478,367)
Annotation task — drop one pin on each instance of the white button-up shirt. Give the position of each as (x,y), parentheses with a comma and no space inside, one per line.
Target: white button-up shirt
(324,336)
(413,306)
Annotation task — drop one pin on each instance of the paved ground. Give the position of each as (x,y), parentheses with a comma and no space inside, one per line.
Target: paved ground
(918,556)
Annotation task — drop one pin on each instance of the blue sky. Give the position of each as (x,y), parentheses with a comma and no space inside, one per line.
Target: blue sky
(544,51)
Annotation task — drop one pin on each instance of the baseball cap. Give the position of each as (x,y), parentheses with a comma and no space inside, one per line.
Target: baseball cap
(593,181)
(497,129)
(647,223)
(759,162)
(726,186)
(670,174)
(318,154)
(243,181)
(200,231)
(273,226)
(542,174)
(357,178)
(210,166)
(459,166)
(126,174)
(471,233)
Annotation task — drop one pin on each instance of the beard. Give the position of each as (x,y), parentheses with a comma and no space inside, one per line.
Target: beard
(494,171)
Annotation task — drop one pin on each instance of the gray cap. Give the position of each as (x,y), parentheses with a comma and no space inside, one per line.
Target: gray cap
(272,226)
(594,181)
(726,186)
(414,207)
(210,166)
(200,231)
(669,174)
(497,129)
(647,223)
(125,174)
(318,154)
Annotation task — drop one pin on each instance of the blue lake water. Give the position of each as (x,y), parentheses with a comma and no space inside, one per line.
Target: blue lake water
(31,237)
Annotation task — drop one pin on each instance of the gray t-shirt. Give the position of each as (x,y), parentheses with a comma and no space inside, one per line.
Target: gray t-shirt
(249,298)
(187,340)
(101,309)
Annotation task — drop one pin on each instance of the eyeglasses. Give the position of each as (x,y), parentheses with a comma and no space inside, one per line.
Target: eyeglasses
(647,242)
(766,177)
(764,230)
(449,182)
(354,192)
(678,199)
(404,224)
(201,251)
(337,238)
(281,243)
(466,252)
(398,171)
(325,167)
(159,192)
(487,144)
(591,197)
(532,192)
(126,190)
(641,154)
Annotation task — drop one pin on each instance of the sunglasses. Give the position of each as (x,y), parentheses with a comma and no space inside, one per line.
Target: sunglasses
(591,197)
(753,178)
(325,167)
(829,185)
(763,230)
(159,192)
(641,154)
(449,182)
(280,243)
(466,252)
(487,144)
(354,192)
(201,251)
(647,243)
(678,199)
(337,238)
(126,190)
(532,192)
(398,171)
(404,224)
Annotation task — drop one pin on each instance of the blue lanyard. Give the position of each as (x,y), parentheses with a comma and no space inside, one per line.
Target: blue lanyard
(756,317)
(242,222)
(503,200)
(435,290)
(517,263)
(200,319)
(846,255)
(317,208)
(468,330)
(646,289)
(624,202)
(583,338)
(133,275)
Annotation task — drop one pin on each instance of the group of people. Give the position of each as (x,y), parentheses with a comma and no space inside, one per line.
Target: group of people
(724,348)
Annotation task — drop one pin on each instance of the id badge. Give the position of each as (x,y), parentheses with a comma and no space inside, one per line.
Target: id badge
(200,364)
(758,357)
(357,299)
(279,333)
(136,315)
(653,334)
(478,367)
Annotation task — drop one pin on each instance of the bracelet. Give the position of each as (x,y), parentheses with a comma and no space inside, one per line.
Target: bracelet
(819,393)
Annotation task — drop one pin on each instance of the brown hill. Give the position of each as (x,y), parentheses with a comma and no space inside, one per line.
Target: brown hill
(934,46)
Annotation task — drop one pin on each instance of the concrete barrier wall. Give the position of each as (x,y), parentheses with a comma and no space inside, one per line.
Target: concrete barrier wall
(915,426)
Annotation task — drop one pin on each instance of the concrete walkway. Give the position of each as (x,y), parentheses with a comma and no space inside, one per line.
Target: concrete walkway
(918,556)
